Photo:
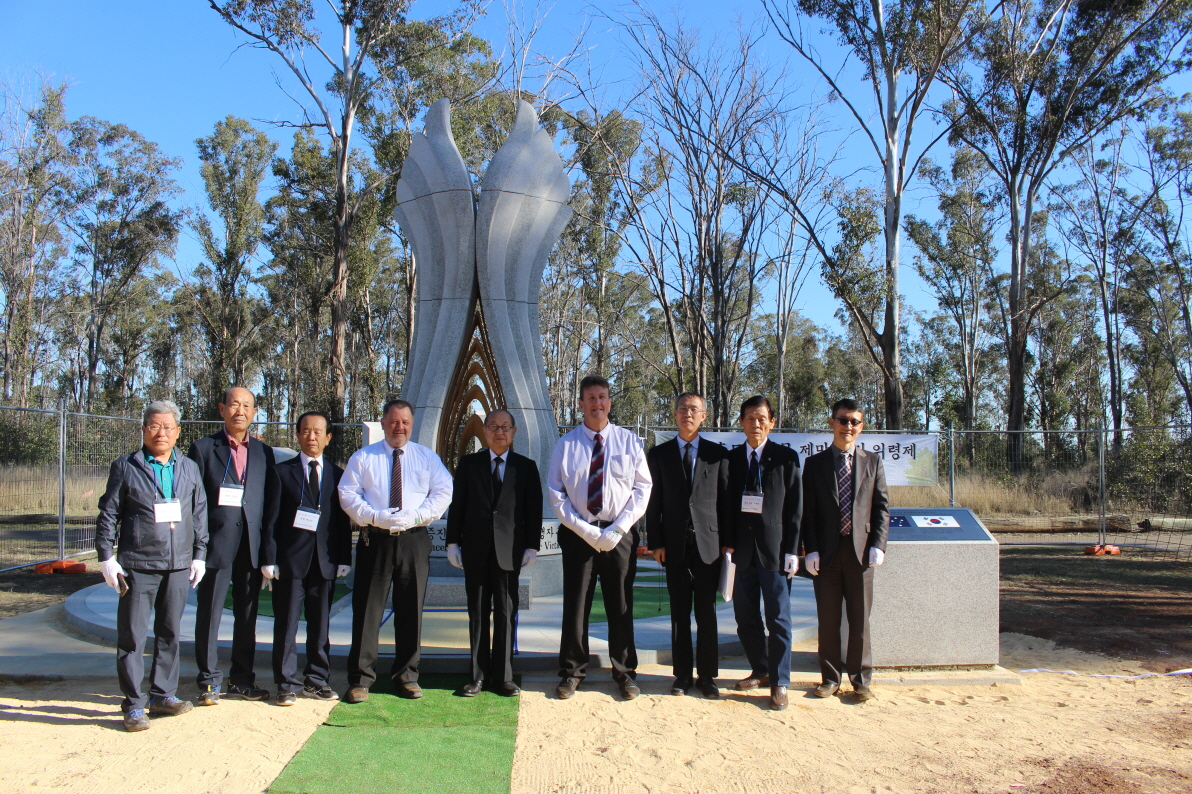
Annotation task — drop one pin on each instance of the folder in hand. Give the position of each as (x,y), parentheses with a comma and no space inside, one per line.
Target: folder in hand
(728,575)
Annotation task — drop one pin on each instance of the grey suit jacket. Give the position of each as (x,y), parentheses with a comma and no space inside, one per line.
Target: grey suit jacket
(821,506)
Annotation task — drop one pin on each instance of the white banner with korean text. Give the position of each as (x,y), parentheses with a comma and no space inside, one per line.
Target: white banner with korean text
(909,459)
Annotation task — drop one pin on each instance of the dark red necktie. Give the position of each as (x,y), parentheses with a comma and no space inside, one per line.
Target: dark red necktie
(596,479)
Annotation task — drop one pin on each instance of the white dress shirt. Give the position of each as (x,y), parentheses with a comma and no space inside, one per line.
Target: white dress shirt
(364,487)
(306,459)
(492,466)
(627,480)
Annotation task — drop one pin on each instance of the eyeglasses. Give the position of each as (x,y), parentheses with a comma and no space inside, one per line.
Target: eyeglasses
(688,409)
(500,428)
(848,422)
(159,428)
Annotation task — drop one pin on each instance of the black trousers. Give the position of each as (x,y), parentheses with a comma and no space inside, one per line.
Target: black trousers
(245,580)
(491,590)
(844,583)
(615,570)
(162,594)
(289,596)
(691,580)
(404,561)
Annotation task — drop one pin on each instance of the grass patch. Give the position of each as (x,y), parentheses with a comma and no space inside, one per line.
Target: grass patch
(265,601)
(648,602)
(440,744)
(1070,565)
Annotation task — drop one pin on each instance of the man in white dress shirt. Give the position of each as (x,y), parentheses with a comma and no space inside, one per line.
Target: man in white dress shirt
(599,486)
(392,490)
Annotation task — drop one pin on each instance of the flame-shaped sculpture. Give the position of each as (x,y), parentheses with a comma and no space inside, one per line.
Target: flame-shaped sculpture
(479,272)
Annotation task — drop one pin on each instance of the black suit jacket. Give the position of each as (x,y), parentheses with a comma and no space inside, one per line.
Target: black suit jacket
(225,524)
(674,505)
(821,511)
(291,549)
(774,532)
(508,524)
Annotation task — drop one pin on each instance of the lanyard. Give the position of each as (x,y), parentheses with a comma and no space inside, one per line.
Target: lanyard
(157,478)
(224,478)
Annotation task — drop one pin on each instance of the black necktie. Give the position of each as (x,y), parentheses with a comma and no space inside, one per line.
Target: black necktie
(755,473)
(313,482)
(687,462)
(497,476)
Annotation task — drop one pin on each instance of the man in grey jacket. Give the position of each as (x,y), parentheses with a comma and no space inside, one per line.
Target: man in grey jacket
(151,539)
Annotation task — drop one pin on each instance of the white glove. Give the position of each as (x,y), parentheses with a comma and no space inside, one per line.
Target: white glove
(197,569)
(454,555)
(393,520)
(876,557)
(608,540)
(403,520)
(342,570)
(528,558)
(791,565)
(812,561)
(111,569)
(269,571)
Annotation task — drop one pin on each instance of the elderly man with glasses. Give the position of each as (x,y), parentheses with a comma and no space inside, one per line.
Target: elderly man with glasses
(494,529)
(151,539)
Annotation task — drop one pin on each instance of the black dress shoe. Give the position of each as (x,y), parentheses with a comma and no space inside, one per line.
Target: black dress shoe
(567,688)
(708,687)
(629,688)
(826,690)
(778,699)
(754,681)
(409,690)
(680,686)
(472,689)
(863,693)
(246,692)
(508,689)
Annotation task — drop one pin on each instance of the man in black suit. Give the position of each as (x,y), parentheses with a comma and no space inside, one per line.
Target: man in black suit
(762,534)
(304,551)
(847,520)
(683,530)
(494,529)
(240,478)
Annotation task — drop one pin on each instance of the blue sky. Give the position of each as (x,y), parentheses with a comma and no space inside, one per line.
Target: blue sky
(171,68)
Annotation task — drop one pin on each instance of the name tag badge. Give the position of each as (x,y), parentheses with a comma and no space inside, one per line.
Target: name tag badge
(751,502)
(167,511)
(231,496)
(306,519)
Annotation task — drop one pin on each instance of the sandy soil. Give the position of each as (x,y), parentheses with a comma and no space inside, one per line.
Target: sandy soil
(67,736)
(1055,733)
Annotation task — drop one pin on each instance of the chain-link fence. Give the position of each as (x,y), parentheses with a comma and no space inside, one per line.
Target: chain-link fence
(54,467)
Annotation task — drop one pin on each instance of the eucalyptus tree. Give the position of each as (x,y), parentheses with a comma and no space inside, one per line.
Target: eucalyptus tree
(1046,77)
(900,49)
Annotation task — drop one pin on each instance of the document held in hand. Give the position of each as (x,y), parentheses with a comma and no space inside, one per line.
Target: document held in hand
(728,575)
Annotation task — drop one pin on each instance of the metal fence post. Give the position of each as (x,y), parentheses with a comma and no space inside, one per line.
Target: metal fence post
(1101,529)
(62,479)
(951,465)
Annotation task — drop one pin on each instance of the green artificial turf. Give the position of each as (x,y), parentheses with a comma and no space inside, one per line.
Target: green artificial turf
(439,744)
(265,602)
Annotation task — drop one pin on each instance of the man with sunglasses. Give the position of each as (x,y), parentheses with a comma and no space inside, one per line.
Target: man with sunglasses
(846,519)
(494,529)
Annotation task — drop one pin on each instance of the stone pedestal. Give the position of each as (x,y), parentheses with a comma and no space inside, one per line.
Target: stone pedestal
(935,600)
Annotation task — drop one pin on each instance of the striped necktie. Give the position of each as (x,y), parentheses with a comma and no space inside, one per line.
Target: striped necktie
(395,481)
(596,479)
(844,477)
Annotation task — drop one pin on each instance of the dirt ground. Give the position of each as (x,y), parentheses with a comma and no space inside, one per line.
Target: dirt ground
(24,591)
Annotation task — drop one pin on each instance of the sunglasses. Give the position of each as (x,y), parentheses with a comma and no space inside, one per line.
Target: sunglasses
(849,422)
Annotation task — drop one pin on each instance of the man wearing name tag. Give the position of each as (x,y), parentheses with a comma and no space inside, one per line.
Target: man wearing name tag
(690,477)
(762,534)
(392,490)
(494,529)
(150,540)
(599,486)
(240,478)
(846,521)
(303,553)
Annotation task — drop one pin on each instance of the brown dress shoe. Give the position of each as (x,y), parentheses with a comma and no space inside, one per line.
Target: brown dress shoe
(753,681)
(778,698)
(357,694)
(863,693)
(566,688)
(826,690)
(508,689)
(409,689)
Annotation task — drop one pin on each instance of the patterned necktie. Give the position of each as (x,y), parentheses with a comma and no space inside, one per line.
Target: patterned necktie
(596,479)
(687,462)
(845,490)
(395,481)
(755,473)
(312,482)
(497,476)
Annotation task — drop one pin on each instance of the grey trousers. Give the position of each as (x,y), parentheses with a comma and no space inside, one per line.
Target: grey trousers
(162,593)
